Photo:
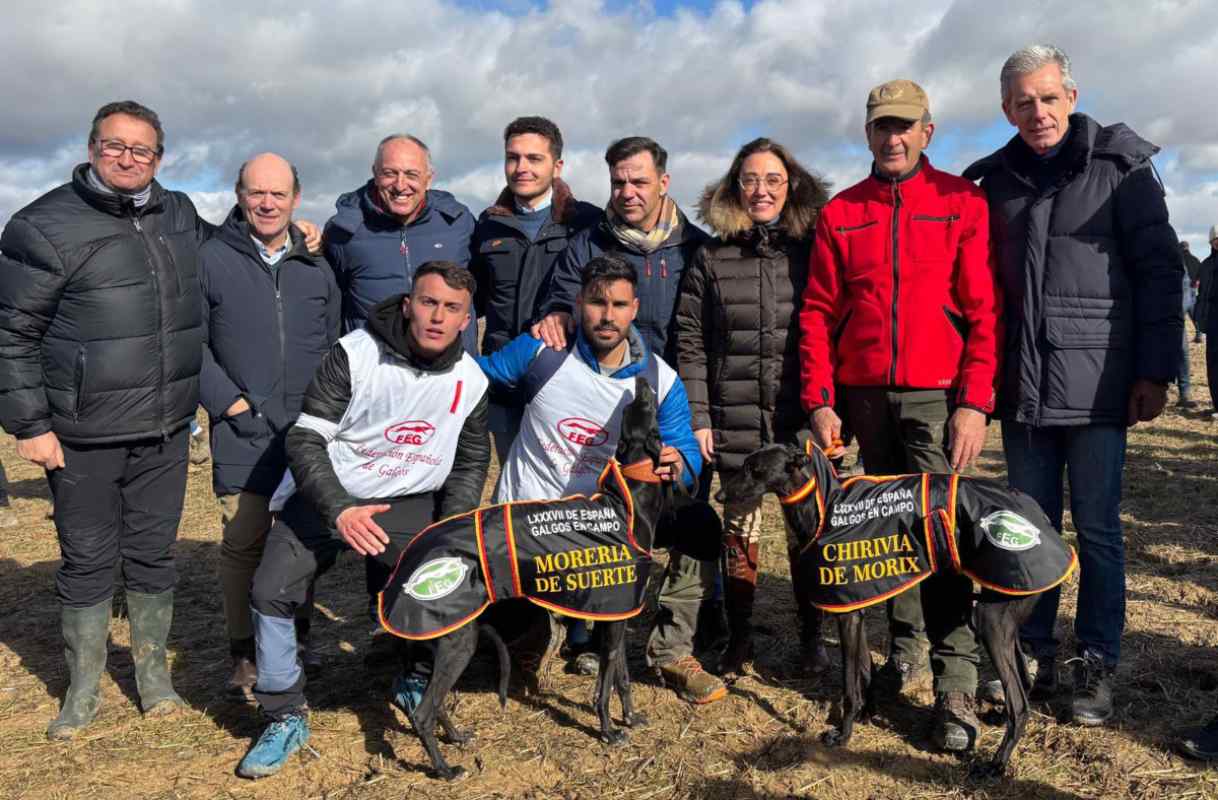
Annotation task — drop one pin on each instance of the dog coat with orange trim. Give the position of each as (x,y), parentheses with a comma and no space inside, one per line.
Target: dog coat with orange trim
(880,536)
(576,556)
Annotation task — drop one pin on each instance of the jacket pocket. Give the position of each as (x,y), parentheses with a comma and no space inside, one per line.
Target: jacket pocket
(958,322)
(78,379)
(1087,364)
(863,246)
(933,237)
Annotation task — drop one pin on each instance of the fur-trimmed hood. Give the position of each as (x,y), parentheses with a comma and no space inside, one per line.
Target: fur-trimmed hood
(721,210)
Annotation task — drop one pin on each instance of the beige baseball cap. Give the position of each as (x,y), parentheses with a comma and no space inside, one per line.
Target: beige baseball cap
(900,98)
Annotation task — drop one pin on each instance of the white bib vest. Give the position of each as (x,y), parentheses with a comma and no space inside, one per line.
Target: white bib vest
(400,431)
(569,431)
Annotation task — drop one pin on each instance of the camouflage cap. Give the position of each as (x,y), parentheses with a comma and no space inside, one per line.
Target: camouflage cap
(900,98)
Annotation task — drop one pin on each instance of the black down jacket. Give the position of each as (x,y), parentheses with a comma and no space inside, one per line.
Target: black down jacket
(738,324)
(1091,275)
(101,329)
(267,332)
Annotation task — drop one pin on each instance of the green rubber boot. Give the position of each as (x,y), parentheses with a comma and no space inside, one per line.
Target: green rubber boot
(151,615)
(85,633)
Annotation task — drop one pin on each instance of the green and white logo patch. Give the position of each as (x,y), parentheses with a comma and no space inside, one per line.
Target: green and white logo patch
(437,578)
(1010,531)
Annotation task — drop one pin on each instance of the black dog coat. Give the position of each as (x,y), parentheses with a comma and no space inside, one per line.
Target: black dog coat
(576,556)
(880,536)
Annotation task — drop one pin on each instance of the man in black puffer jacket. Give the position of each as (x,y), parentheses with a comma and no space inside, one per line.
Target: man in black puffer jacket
(272,312)
(1092,280)
(101,343)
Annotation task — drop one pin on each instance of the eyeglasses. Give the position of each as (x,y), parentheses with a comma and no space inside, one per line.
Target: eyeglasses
(773,182)
(113,148)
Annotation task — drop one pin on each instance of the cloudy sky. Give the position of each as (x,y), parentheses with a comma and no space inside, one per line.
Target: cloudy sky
(321,83)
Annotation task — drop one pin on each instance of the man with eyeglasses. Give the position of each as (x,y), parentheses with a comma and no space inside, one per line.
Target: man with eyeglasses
(102,343)
(380,234)
(900,332)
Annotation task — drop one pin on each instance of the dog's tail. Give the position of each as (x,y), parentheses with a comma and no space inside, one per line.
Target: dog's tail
(505,661)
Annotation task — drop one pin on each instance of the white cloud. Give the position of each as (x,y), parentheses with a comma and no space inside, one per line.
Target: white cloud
(322,82)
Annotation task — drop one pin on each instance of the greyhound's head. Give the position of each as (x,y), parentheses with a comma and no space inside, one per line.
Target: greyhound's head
(640,432)
(785,470)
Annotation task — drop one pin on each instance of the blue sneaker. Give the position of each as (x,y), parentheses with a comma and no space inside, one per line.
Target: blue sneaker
(280,739)
(407,692)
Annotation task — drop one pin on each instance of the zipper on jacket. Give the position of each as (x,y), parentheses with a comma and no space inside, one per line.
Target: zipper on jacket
(896,275)
(80,382)
(404,249)
(647,266)
(160,326)
(929,218)
(663,267)
(283,358)
(851,228)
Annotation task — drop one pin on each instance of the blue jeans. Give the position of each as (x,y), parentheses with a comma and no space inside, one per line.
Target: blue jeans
(1093,457)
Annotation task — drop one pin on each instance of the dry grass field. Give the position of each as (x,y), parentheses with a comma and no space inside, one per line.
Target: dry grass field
(761,742)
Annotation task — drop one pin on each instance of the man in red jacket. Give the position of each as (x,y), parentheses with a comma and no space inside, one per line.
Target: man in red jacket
(899,331)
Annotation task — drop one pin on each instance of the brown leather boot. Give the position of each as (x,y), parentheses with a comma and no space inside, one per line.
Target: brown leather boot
(811,619)
(739,588)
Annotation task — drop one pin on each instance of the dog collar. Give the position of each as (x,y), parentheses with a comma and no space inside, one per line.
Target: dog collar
(643,470)
(800,493)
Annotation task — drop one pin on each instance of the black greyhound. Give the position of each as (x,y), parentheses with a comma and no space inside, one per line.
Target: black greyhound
(630,493)
(870,538)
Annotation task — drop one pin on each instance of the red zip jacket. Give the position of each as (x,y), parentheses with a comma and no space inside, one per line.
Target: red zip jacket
(902,291)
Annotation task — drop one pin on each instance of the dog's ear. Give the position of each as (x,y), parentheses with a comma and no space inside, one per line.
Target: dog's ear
(797,458)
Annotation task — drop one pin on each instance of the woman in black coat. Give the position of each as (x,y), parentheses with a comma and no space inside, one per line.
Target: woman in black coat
(738,350)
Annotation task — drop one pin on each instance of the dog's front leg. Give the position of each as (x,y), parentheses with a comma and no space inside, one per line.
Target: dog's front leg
(998,622)
(630,717)
(856,677)
(453,654)
(612,642)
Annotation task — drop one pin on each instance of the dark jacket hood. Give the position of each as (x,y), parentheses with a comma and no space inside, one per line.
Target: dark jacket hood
(353,209)
(117,205)
(1086,139)
(387,323)
(563,206)
(721,210)
(235,232)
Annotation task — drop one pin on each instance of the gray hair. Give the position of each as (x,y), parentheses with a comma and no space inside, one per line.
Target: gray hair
(393,137)
(1031,58)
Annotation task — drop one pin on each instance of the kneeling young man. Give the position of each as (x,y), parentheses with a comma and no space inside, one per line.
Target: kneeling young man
(393,427)
(573,401)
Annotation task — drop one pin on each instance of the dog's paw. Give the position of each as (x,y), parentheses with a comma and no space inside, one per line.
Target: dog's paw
(452,774)
(615,737)
(833,738)
(459,737)
(635,720)
(986,770)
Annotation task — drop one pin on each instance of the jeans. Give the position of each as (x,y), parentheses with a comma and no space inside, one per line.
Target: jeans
(1093,457)
(1182,381)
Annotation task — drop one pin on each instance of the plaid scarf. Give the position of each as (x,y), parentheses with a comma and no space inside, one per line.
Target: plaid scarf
(646,241)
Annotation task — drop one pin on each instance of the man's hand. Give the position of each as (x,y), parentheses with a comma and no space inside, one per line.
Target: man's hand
(553,329)
(671,464)
(43,450)
(239,406)
(1146,401)
(356,527)
(826,427)
(965,437)
(706,443)
(312,235)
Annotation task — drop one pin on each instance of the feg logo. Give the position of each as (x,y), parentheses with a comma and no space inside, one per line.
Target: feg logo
(583,432)
(413,432)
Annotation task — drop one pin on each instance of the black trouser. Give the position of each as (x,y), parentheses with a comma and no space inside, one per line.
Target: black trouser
(118,501)
(903,431)
(1211,360)
(300,547)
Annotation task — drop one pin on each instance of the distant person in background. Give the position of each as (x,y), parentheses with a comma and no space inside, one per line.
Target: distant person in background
(1205,276)
(271,312)
(516,242)
(1207,320)
(738,354)
(1192,268)
(1182,379)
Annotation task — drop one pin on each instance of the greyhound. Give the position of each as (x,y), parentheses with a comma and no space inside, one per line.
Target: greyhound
(631,495)
(917,524)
